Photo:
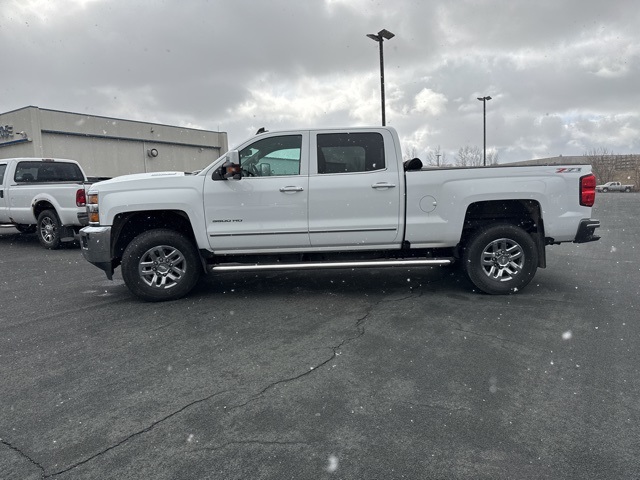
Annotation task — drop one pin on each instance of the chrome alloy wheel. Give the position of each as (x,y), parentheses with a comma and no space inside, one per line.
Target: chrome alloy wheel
(502,259)
(47,230)
(162,267)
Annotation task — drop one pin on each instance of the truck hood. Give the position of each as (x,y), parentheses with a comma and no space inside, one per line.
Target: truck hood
(141,176)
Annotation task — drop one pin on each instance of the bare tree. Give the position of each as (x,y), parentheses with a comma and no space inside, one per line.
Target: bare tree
(436,157)
(409,153)
(602,162)
(469,156)
(492,157)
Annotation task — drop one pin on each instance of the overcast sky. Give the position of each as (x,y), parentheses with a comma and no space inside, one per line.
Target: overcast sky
(563,74)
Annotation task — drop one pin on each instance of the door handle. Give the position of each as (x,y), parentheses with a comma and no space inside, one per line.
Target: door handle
(383,185)
(291,189)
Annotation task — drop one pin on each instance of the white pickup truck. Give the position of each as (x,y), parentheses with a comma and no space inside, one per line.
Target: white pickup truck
(43,195)
(339,198)
(614,187)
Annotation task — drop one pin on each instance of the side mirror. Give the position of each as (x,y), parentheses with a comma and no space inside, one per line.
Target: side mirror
(230,169)
(265,169)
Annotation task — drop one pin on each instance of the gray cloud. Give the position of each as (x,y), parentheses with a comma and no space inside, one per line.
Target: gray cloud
(562,74)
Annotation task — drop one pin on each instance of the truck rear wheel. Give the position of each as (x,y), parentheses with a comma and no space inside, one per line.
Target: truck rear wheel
(160,265)
(500,259)
(48,229)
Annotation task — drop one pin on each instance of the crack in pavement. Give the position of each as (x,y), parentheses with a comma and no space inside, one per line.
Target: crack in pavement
(359,333)
(136,434)
(24,455)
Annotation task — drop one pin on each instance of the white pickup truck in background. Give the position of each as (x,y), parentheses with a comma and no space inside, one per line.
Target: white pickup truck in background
(614,187)
(338,198)
(43,195)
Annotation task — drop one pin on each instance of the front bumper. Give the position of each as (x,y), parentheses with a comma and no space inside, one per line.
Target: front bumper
(586,231)
(96,248)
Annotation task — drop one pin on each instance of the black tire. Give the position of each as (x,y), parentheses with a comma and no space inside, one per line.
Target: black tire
(26,228)
(161,265)
(627,190)
(605,190)
(48,229)
(500,259)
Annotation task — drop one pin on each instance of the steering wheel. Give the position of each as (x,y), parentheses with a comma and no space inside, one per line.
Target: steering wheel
(253,170)
(249,171)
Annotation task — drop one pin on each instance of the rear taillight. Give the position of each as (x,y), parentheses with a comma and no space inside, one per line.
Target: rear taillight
(588,190)
(81,198)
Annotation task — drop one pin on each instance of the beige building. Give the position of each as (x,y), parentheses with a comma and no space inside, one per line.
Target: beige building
(107,147)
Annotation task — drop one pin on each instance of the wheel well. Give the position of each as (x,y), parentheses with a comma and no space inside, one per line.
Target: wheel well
(526,214)
(41,206)
(127,226)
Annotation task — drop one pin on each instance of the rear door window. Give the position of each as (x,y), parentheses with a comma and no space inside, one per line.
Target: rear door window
(350,152)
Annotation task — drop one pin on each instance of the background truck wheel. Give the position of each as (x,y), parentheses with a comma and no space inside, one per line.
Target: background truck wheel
(48,229)
(500,259)
(26,228)
(605,190)
(627,190)
(160,265)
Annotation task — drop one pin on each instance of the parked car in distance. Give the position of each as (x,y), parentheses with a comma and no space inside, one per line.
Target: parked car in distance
(43,195)
(615,187)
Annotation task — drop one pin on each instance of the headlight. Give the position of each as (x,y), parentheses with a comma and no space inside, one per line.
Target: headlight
(92,209)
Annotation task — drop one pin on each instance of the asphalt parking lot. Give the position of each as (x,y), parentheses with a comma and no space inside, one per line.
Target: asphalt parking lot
(369,374)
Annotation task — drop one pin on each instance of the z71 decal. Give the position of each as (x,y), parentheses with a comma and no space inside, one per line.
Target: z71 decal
(569,170)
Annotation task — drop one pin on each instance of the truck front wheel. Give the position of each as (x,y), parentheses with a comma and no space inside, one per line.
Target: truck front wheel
(49,229)
(160,265)
(500,259)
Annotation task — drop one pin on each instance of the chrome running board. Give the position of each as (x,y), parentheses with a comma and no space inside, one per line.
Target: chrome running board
(236,267)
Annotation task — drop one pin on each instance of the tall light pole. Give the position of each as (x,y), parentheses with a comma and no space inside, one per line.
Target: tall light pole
(379,37)
(484,127)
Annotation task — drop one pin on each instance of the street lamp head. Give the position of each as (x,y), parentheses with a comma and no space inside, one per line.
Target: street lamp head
(382,34)
(484,99)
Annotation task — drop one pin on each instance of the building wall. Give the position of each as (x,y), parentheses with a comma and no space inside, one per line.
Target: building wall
(108,147)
